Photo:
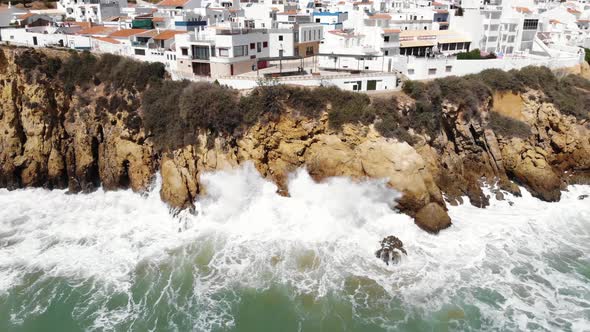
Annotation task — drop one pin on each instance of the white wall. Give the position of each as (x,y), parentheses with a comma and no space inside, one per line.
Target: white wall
(22,37)
(424,68)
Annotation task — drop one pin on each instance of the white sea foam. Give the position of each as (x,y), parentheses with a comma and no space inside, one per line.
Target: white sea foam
(516,264)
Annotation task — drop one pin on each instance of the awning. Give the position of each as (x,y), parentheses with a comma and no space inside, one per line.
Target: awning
(417,43)
(454,40)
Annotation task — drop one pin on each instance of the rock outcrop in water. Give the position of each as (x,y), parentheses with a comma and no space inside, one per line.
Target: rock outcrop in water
(96,137)
(391,246)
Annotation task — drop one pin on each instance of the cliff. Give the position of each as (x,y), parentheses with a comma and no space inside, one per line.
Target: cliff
(90,133)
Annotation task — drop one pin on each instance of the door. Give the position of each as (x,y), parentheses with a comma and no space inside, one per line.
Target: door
(35,41)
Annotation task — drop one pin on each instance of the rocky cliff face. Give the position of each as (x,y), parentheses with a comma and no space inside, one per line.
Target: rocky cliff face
(48,139)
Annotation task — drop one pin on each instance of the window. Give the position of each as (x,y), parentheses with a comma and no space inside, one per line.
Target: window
(252,46)
(139,51)
(386,39)
(265,44)
(530,24)
(386,53)
(448,69)
(241,50)
(431,71)
(259,47)
(184,51)
(317,20)
(224,52)
(280,37)
(445,47)
(200,52)
(452,46)
(511,39)
(410,71)
(372,85)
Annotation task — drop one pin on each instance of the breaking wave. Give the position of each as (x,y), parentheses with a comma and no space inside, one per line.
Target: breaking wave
(250,259)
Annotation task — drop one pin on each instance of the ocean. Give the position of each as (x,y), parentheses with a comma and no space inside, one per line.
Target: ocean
(249,259)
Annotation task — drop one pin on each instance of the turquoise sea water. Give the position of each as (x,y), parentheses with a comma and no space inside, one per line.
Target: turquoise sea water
(251,260)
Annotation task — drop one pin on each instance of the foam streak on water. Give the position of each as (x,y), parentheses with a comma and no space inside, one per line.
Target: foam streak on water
(254,260)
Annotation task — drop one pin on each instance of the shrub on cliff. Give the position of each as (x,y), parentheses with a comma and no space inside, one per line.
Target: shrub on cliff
(508,127)
(209,106)
(500,80)
(126,73)
(347,107)
(391,122)
(161,115)
(174,112)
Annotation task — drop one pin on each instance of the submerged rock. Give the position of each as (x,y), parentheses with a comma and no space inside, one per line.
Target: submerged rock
(391,247)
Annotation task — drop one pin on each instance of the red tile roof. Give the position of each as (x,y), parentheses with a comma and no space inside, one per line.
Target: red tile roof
(391,31)
(172,3)
(572,11)
(124,33)
(107,40)
(167,34)
(25,16)
(523,10)
(97,30)
(83,25)
(380,16)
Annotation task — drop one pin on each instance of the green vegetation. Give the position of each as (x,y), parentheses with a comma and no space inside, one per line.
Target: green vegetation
(174,112)
(82,69)
(474,55)
(570,94)
(587,54)
(508,127)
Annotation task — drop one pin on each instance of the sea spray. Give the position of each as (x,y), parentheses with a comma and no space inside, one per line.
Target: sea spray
(250,259)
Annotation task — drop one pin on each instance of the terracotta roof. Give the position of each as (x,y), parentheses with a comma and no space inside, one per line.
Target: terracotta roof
(158,19)
(167,34)
(572,11)
(341,33)
(149,33)
(583,21)
(83,25)
(172,3)
(442,11)
(25,16)
(523,10)
(391,30)
(112,18)
(288,12)
(97,30)
(380,16)
(107,40)
(437,4)
(124,33)
(554,22)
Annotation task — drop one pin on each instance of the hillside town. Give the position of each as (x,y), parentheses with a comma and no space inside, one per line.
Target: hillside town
(356,45)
